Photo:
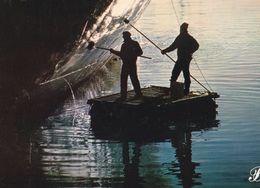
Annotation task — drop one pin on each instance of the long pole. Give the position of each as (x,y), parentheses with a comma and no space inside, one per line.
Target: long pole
(102,48)
(127,22)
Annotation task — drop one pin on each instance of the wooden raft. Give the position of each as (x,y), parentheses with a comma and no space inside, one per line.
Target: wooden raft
(156,102)
(156,95)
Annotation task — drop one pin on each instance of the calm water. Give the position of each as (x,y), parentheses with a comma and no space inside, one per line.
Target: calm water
(220,153)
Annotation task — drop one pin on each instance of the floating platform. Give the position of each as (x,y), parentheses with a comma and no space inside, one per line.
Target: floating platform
(156,101)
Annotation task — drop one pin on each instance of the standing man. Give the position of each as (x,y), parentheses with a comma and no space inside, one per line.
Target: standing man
(186,45)
(129,52)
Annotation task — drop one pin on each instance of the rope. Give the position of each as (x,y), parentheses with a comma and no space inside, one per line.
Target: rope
(65,75)
(74,100)
(202,74)
(173,7)
(175,12)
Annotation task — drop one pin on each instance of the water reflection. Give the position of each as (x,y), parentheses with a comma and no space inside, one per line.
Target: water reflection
(77,156)
(178,133)
(71,150)
(131,166)
(184,169)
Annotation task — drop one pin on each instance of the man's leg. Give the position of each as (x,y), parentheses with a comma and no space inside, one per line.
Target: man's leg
(175,73)
(187,81)
(135,81)
(123,82)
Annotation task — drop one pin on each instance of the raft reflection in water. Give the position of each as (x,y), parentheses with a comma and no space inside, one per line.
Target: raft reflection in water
(141,134)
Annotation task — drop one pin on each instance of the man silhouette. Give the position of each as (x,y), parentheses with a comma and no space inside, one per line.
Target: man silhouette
(186,45)
(129,52)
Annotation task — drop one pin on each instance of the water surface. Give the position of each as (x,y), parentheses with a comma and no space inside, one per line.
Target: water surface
(217,153)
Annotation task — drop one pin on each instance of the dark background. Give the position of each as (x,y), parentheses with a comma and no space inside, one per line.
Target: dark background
(35,35)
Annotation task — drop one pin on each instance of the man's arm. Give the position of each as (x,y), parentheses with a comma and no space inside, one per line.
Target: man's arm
(138,50)
(195,45)
(172,47)
(118,53)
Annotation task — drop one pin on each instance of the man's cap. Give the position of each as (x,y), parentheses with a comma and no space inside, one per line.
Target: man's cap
(184,26)
(126,33)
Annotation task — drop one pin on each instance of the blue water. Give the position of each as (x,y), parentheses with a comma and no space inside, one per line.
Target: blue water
(66,153)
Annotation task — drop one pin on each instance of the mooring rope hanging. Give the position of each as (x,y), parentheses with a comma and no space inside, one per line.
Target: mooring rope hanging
(74,100)
(177,19)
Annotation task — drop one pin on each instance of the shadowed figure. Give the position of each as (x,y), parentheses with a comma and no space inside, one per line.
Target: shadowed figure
(186,45)
(184,169)
(129,52)
(131,166)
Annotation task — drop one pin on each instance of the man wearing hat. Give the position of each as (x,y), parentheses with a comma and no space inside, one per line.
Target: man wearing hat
(129,52)
(186,45)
